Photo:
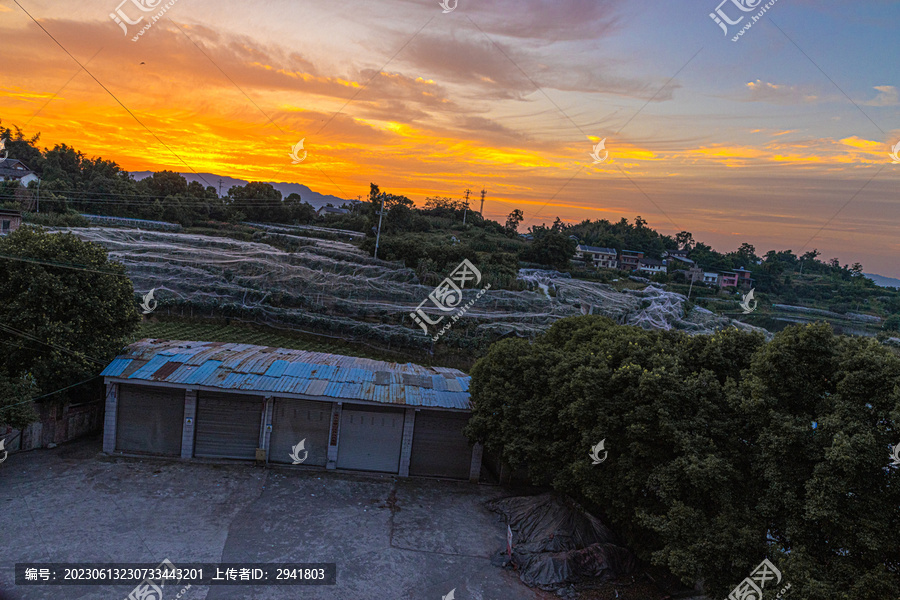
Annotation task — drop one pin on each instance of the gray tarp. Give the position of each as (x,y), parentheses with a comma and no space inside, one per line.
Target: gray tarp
(555,541)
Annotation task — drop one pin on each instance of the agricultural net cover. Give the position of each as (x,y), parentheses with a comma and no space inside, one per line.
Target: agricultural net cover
(335,287)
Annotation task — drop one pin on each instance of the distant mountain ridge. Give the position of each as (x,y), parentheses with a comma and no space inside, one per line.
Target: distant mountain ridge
(316,199)
(882,281)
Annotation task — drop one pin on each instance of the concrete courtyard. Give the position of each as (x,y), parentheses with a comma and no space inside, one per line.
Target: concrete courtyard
(392,539)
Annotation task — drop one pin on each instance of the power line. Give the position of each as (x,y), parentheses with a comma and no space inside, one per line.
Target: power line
(32,338)
(73,266)
(133,116)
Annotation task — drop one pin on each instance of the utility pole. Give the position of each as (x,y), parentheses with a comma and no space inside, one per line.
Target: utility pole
(481,212)
(38,197)
(220,188)
(380,215)
(468,191)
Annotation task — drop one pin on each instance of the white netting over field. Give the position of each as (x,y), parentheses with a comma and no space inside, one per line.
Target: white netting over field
(333,287)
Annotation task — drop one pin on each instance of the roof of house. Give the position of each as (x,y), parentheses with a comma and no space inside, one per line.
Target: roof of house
(280,371)
(681,258)
(596,249)
(632,251)
(333,210)
(14,168)
(9,212)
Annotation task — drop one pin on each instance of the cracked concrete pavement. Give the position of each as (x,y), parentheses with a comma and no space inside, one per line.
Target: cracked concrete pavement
(391,538)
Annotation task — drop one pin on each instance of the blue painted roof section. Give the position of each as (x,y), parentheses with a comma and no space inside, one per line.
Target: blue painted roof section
(247,368)
(116,367)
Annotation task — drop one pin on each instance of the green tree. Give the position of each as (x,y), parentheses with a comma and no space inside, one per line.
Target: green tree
(550,247)
(830,499)
(685,240)
(513,220)
(15,408)
(259,201)
(61,323)
(713,464)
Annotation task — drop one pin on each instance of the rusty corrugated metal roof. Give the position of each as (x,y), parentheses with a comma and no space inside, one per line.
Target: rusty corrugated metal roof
(272,370)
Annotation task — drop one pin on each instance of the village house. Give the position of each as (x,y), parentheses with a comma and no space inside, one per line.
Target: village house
(711,278)
(694,274)
(728,279)
(13,169)
(677,259)
(736,278)
(331,210)
(651,266)
(630,260)
(675,253)
(744,277)
(10,220)
(602,258)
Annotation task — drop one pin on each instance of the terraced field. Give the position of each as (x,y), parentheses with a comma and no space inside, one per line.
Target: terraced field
(260,336)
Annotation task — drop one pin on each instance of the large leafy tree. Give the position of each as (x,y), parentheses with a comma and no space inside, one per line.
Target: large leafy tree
(65,309)
(259,201)
(712,462)
(831,499)
(550,247)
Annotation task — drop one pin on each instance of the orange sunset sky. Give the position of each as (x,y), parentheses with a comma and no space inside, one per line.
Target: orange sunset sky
(781,139)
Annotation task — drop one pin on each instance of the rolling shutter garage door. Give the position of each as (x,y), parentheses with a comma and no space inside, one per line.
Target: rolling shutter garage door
(149,420)
(370,439)
(296,420)
(439,448)
(227,425)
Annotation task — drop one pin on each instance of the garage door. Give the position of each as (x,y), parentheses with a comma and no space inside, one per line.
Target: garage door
(294,421)
(370,439)
(227,425)
(149,420)
(439,447)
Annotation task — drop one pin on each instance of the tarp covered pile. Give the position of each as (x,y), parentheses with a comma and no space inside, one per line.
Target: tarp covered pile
(556,542)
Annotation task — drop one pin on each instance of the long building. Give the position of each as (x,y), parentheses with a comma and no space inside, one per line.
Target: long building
(237,401)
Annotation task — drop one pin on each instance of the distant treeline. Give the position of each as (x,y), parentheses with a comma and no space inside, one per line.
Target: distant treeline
(70,181)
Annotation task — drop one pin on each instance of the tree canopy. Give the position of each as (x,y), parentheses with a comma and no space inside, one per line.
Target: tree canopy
(713,462)
(65,310)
